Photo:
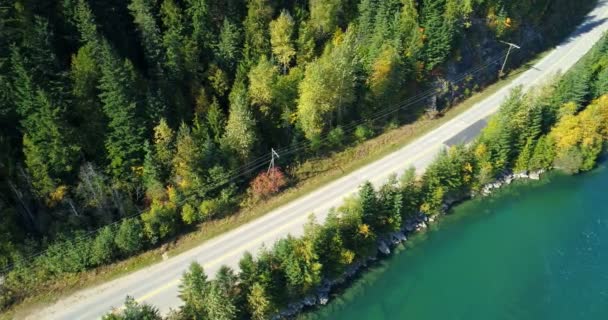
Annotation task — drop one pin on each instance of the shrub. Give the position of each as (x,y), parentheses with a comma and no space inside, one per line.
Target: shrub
(103,246)
(363,132)
(134,310)
(336,137)
(129,237)
(268,183)
(190,215)
(160,221)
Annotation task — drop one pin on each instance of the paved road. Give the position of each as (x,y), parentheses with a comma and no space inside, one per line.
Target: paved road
(158,284)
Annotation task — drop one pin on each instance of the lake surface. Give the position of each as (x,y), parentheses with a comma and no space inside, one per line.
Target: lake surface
(536,250)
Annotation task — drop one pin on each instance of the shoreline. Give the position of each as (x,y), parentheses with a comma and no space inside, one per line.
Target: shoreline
(387,243)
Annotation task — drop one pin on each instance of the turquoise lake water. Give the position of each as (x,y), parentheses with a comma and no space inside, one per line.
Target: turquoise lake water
(535,250)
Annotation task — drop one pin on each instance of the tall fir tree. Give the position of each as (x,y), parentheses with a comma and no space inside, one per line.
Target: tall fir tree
(124,141)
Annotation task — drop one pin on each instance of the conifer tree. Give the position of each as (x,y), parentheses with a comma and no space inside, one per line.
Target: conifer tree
(228,48)
(258,303)
(438,33)
(87,110)
(257,42)
(49,153)
(124,141)
(523,160)
(193,288)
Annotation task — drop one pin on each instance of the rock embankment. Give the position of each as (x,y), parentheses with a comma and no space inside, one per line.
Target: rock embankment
(508,178)
(420,222)
(321,295)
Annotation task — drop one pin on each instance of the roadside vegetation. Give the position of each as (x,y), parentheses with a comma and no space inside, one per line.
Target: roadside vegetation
(126,123)
(561,125)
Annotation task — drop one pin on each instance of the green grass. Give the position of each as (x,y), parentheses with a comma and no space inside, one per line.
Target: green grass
(309,175)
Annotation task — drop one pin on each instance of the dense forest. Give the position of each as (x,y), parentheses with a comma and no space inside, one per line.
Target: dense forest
(563,125)
(123,122)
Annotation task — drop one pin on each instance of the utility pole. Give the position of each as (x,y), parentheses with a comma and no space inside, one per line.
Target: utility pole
(273,154)
(511,46)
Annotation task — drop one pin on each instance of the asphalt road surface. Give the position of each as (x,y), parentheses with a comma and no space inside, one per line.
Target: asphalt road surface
(158,284)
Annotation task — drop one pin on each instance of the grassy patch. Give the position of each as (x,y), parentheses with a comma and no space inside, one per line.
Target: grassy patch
(309,175)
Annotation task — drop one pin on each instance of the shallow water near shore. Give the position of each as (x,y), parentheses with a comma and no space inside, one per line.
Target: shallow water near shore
(534,250)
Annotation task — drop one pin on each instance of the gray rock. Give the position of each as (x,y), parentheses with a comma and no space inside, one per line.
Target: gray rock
(382,247)
(323,300)
(535,175)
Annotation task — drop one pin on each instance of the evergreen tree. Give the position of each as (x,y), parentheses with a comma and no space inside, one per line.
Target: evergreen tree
(173,39)
(216,121)
(257,42)
(186,162)
(103,246)
(193,289)
(200,22)
(124,141)
(129,236)
(164,147)
(369,204)
(573,87)
(134,311)
(523,160)
(325,15)
(49,154)
(228,48)
(258,303)
(87,111)
(144,18)
(438,32)
(217,305)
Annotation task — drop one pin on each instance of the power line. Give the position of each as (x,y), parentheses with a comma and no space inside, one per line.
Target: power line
(261,161)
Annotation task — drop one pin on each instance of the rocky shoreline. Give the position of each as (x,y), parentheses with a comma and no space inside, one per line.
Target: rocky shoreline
(384,245)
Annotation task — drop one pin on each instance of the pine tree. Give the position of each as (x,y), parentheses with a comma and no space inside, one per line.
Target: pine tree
(369,205)
(523,160)
(257,42)
(124,141)
(325,15)
(573,87)
(543,155)
(49,154)
(217,305)
(174,39)
(87,110)
(438,33)
(228,48)
(216,121)
(144,18)
(193,289)
(164,147)
(258,303)
(199,20)
(187,162)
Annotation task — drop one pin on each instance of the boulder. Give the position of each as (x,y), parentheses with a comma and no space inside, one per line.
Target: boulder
(323,298)
(382,247)
(309,301)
